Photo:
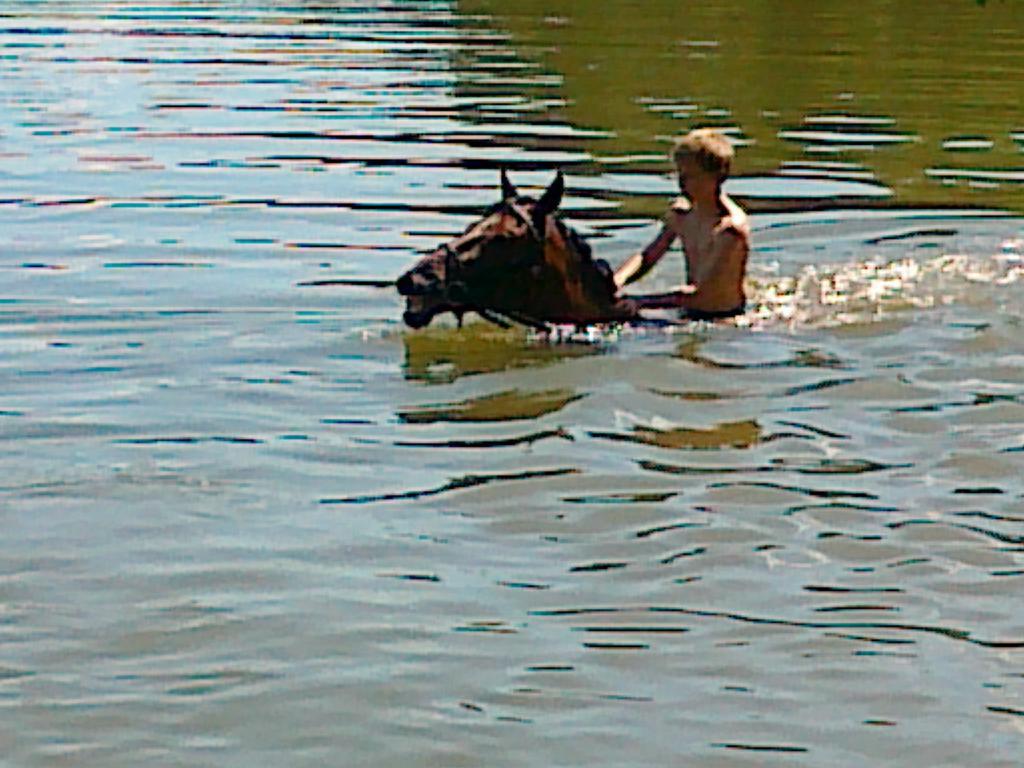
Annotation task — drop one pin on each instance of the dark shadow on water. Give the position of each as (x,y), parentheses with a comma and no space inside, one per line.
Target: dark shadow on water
(483,443)
(951,633)
(455,484)
(698,396)
(652,497)
(817,493)
(851,466)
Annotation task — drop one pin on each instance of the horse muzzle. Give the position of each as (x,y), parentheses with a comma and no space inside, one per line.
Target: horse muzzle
(417,320)
(421,309)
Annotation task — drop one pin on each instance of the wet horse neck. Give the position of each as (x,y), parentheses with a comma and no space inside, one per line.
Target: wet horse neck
(560,256)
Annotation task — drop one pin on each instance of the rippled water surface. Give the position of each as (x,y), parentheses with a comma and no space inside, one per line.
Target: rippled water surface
(249,520)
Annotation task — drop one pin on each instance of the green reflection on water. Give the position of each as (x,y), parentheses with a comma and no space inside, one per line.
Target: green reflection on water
(512,405)
(940,75)
(734,434)
(442,355)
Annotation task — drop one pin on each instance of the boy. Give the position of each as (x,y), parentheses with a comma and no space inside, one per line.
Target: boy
(713,229)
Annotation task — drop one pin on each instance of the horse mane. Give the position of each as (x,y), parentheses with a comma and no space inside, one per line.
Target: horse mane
(575,239)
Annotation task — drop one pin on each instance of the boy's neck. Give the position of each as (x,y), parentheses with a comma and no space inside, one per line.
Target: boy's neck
(707,202)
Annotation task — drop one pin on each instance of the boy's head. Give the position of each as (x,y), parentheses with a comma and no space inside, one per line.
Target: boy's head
(709,149)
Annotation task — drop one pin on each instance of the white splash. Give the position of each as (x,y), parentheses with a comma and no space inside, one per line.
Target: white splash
(839,294)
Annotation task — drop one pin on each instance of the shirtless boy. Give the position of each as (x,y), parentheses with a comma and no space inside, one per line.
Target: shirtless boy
(713,229)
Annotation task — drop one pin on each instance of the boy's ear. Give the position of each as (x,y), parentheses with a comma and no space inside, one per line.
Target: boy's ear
(508,189)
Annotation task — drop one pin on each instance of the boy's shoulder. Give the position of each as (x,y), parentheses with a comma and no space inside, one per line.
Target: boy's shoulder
(735,220)
(679,207)
(676,212)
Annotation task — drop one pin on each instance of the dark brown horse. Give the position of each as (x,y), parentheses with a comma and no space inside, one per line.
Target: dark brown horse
(520,262)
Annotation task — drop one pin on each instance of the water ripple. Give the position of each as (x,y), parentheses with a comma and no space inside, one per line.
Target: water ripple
(951,633)
(456,484)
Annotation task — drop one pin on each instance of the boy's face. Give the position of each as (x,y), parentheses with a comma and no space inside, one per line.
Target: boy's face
(693,178)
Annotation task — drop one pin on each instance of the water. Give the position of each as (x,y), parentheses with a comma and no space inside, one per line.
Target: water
(249,520)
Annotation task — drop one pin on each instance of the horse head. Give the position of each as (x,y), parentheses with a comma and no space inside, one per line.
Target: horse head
(518,261)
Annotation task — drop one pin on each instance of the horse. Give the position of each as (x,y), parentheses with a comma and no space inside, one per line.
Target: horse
(519,263)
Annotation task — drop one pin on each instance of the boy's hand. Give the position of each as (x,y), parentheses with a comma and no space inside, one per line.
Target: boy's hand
(672,300)
(629,306)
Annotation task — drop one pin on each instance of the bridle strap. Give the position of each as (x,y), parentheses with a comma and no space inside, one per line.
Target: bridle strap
(453,268)
(528,220)
(451,265)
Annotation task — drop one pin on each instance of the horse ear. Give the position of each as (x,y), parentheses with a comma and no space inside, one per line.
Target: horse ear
(552,196)
(508,189)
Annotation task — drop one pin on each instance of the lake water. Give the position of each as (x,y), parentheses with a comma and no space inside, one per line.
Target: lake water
(249,520)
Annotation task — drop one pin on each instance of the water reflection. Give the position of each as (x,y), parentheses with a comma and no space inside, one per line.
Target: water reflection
(835,133)
(513,405)
(827,81)
(737,434)
(444,355)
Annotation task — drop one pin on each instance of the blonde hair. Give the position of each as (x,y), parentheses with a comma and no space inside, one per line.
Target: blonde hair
(709,147)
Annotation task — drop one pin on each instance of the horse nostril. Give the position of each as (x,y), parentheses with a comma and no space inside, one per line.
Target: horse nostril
(404,284)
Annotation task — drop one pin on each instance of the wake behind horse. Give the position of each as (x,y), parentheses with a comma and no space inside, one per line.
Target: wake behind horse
(521,263)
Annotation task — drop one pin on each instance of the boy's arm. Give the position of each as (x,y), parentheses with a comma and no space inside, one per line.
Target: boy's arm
(639,264)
